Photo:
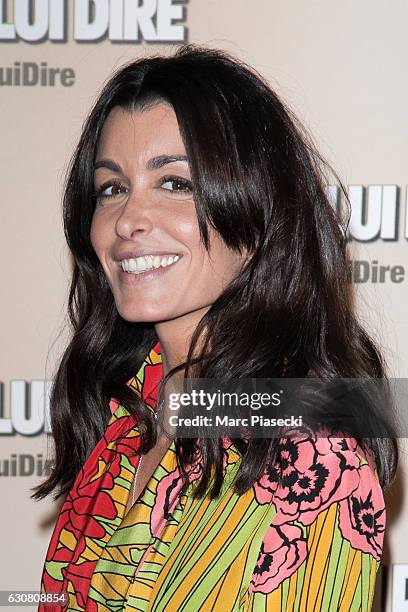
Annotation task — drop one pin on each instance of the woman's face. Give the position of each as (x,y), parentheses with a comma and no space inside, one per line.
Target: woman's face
(145,212)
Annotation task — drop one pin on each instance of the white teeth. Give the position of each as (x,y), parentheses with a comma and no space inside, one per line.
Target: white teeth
(141,264)
(137,265)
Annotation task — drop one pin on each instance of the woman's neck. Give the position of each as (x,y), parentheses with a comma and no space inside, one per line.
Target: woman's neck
(175,336)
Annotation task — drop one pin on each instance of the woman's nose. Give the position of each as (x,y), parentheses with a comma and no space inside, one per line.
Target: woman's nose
(135,217)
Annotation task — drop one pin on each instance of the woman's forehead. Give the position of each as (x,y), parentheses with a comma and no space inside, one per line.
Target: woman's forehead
(152,131)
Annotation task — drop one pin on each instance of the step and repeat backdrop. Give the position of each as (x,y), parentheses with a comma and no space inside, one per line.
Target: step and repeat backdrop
(341,66)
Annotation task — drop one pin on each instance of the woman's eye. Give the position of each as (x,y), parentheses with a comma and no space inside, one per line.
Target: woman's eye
(177,184)
(110,190)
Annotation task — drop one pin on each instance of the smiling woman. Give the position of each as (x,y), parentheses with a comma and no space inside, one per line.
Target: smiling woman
(205,246)
(145,230)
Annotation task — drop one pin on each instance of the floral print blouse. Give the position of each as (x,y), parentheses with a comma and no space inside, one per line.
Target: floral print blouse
(307,536)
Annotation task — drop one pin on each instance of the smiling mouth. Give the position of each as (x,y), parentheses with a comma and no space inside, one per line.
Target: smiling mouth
(138,265)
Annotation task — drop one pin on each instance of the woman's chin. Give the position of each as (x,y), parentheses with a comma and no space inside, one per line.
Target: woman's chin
(141,315)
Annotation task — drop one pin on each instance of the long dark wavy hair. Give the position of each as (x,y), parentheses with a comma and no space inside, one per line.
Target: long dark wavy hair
(259,180)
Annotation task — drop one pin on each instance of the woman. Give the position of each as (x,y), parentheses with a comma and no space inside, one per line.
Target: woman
(205,246)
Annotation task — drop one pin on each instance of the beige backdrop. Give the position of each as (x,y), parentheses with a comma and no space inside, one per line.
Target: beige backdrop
(342,68)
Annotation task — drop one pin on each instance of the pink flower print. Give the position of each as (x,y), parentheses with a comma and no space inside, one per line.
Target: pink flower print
(195,471)
(167,495)
(307,478)
(282,552)
(285,469)
(337,444)
(362,515)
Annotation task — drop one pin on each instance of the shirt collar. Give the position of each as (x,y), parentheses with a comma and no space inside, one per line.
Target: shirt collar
(146,382)
(150,375)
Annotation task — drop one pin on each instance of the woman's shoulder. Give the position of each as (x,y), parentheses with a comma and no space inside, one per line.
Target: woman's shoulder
(313,472)
(330,512)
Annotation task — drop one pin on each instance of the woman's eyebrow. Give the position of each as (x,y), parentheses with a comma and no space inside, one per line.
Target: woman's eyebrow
(152,164)
(161,160)
(109,164)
